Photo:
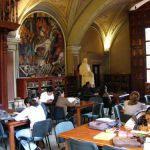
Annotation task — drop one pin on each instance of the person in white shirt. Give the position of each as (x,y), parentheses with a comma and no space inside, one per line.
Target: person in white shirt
(47,96)
(34,113)
(132,106)
(140,121)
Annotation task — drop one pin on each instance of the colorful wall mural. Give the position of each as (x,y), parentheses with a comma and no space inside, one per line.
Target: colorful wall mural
(41,47)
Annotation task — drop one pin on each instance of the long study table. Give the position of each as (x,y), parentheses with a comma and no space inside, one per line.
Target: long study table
(86,134)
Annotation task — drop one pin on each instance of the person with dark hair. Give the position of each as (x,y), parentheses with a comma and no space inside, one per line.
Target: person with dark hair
(47,96)
(140,121)
(64,102)
(87,91)
(34,113)
(108,102)
(68,104)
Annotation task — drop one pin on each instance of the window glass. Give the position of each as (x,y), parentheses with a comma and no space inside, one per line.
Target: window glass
(147,34)
(148,76)
(147,61)
(147,48)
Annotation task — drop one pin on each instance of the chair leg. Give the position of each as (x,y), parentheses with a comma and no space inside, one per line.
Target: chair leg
(4,143)
(49,145)
(19,145)
(29,145)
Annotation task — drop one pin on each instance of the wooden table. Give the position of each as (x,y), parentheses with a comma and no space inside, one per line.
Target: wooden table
(79,107)
(86,134)
(11,126)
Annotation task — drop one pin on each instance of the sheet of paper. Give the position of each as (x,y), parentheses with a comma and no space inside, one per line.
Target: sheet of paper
(139,132)
(104,136)
(105,120)
(71,99)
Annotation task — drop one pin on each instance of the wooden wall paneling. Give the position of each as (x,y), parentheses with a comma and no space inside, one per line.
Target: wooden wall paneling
(137,33)
(3,68)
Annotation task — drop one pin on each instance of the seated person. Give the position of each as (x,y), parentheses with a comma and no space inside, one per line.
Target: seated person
(36,97)
(47,96)
(140,121)
(34,113)
(132,106)
(87,91)
(64,102)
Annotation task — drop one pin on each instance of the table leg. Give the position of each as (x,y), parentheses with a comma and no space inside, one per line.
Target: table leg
(78,116)
(11,138)
(66,146)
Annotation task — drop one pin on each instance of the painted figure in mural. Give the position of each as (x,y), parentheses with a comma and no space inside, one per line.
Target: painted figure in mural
(46,44)
(86,73)
(41,46)
(22,52)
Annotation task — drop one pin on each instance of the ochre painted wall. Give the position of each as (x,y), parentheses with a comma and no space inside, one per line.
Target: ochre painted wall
(120,52)
(91,43)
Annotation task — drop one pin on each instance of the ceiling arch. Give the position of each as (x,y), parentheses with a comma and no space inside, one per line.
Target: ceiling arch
(85,20)
(44,6)
(76,16)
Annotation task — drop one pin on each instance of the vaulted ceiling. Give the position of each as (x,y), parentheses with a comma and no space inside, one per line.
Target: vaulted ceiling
(76,16)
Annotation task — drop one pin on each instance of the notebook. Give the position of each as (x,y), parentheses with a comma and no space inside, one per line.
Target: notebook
(104,136)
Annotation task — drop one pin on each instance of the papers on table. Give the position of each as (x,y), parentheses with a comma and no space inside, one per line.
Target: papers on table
(71,99)
(106,120)
(104,136)
(5,116)
(140,132)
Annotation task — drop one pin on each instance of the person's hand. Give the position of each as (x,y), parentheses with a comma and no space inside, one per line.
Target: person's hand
(49,101)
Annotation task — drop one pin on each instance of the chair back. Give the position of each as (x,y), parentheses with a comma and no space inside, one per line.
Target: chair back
(98,109)
(59,114)
(41,128)
(2,132)
(147,99)
(118,110)
(45,109)
(106,147)
(62,127)
(3,136)
(74,144)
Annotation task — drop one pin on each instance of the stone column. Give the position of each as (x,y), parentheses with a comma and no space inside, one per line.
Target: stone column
(107,62)
(72,59)
(13,55)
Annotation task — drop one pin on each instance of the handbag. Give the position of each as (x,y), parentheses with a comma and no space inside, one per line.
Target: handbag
(101,125)
(126,142)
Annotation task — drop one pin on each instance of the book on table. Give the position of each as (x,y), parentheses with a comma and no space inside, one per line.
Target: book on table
(104,136)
